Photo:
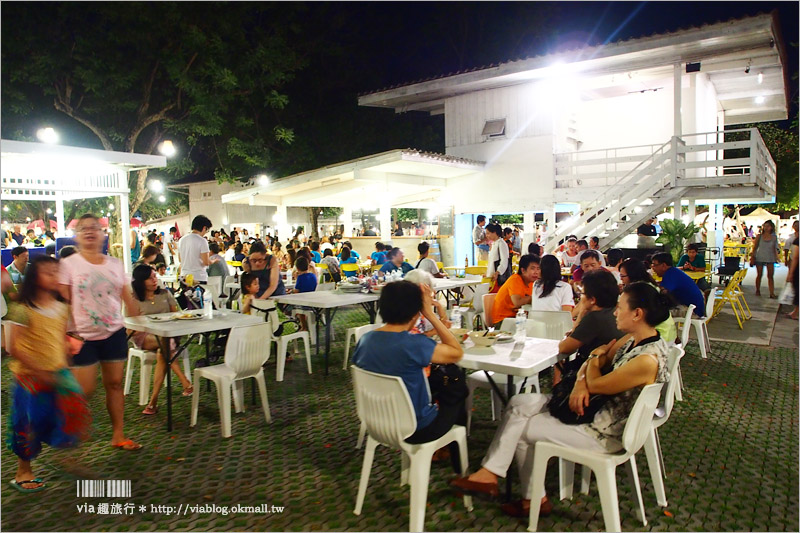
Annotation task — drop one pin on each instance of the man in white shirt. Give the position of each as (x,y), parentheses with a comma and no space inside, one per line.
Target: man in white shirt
(426,263)
(787,244)
(479,238)
(193,251)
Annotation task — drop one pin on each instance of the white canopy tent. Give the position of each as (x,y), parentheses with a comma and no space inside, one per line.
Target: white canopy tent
(758,217)
(47,172)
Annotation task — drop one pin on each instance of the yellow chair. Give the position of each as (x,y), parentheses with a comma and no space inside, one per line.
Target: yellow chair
(349,267)
(481,270)
(439,265)
(483,263)
(732,294)
(375,268)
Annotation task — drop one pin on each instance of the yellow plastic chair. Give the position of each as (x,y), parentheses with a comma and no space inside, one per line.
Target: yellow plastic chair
(733,295)
(375,268)
(483,263)
(349,267)
(480,270)
(439,265)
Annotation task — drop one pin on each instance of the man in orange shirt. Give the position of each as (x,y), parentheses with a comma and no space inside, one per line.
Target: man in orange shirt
(516,292)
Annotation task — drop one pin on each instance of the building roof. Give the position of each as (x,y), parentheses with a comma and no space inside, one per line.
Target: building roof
(725,50)
(404,177)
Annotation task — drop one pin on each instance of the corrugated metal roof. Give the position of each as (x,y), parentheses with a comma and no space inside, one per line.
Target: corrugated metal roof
(586,50)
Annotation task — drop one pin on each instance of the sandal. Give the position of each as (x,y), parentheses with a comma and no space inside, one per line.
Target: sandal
(19,485)
(150,410)
(773,297)
(188,391)
(127,445)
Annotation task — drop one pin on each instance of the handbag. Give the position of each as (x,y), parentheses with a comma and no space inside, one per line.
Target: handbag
(559,401)
(448,384)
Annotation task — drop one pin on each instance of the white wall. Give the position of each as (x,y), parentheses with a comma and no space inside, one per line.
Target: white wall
(526,110)
(518,176)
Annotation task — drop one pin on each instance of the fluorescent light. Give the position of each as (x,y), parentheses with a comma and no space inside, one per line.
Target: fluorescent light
(167,148)
(760,77)
(47,135)
(760,99)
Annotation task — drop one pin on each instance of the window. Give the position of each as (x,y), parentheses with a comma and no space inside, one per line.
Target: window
(494,128)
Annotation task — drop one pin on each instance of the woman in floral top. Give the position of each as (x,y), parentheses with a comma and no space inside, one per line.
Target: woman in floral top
(637,359)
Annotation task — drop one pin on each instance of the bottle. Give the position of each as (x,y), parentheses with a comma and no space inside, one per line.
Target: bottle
(519,322)
(455,317)
(466,261)
(198,296)
(208,304)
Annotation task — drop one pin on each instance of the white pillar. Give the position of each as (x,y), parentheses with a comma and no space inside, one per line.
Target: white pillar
(676,210)
(718,219)
(125,224)
(347,217)
(386,222)
(676,105)
(528,230)
(282,224)
(692,210)
(61,224)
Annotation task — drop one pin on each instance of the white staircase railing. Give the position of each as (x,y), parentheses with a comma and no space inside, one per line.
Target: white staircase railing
(693,165)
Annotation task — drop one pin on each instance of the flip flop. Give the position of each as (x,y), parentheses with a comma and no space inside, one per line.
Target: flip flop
(150,410)
(18,485)
(188,392)
(127,445)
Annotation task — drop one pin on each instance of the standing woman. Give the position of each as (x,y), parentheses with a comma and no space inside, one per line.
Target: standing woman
(499,267)
(96,286)
(766,251)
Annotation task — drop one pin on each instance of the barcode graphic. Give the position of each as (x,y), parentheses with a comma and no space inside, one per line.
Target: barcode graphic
(100,488)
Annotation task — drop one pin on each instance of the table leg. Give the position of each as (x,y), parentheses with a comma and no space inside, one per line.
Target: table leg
(510,392)
(328,327)
(165,353)
(318,315)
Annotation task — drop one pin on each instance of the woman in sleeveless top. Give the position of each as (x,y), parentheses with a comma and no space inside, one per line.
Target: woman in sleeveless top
(765,253)
(637,359)
(266,269)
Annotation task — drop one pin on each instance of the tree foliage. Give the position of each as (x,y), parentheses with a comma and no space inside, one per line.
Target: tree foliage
(208,76)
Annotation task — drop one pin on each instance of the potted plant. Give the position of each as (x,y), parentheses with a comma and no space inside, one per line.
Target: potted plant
(674,234)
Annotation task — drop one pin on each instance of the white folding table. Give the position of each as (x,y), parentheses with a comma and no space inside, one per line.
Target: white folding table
(164,327)
(448,286)
(328,302)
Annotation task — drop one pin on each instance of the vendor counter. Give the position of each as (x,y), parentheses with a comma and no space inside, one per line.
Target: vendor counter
(442,247)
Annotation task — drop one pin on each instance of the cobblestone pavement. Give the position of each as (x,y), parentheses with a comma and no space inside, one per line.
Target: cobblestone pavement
(730,449)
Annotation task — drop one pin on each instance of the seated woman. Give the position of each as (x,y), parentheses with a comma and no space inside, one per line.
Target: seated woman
(619,370)
(549,292)
(153,300)
(424,279)
(633,270)
(347,259)
(392,350)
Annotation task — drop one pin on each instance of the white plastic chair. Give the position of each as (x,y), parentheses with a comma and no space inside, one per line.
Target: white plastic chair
(214,284)
(488,306)
(356,334)
(268,309)
(687,324)
(548,324)
(477,302)
(652,445)
(604,465)
(701,326)
(147,362)
(311,317)
(384,405)
(245,355)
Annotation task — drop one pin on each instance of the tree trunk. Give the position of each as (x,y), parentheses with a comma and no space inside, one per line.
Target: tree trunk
(314,211)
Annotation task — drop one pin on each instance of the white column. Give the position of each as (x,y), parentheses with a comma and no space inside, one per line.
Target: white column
(528,230)
(347,217)
(692,210)
(718,219)
(386,222)
(61,224)
(125,224)
(676,210)
(282,224)
(676,106)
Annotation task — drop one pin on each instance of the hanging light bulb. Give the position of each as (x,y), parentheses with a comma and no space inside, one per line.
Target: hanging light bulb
(162,198)
(167,148)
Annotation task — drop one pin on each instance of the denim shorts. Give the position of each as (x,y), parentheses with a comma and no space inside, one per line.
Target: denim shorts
(109,350)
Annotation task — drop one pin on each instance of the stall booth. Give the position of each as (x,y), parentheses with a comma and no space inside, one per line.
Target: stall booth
(54,173)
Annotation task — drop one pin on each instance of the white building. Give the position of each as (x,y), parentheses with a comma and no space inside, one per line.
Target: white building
(618,131)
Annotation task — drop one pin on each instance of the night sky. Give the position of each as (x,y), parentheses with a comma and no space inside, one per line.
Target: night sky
(360,47)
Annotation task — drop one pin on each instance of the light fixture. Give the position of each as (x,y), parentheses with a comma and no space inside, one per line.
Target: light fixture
(110,207)
(49,211)
(27,219)
(760,78)
(167,148)
(5,208)
(262,179)
(162,198)
(169,211)
(760,99)
(275,217)
(156,186)
(747,69)
(47,135)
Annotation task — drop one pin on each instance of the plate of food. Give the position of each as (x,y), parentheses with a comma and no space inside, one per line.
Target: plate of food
(188,316)
(156,318)
(504,336)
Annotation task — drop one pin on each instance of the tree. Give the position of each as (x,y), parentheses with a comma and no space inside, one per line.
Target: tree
(208,76)
(315,213)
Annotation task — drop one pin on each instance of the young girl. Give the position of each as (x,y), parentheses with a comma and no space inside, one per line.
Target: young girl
(47,403)
(250,287)
(152,300)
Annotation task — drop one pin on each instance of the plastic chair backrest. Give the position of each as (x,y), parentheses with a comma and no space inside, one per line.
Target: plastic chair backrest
(349,267)
(384,406)
(687,325)
(712,296)
(477,300)
(439,265)
(640,419)
(246,351)
(488,307)
(555,323)
(483,263)
(476,270)
(362,330)
(674,357)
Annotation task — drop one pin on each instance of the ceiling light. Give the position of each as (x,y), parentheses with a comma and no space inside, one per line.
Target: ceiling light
(760,77)
(156,185)
(760,99)
(262,179)
(162,198)
(47,135)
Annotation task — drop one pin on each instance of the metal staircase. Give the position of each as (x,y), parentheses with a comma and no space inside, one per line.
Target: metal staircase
(619,189)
